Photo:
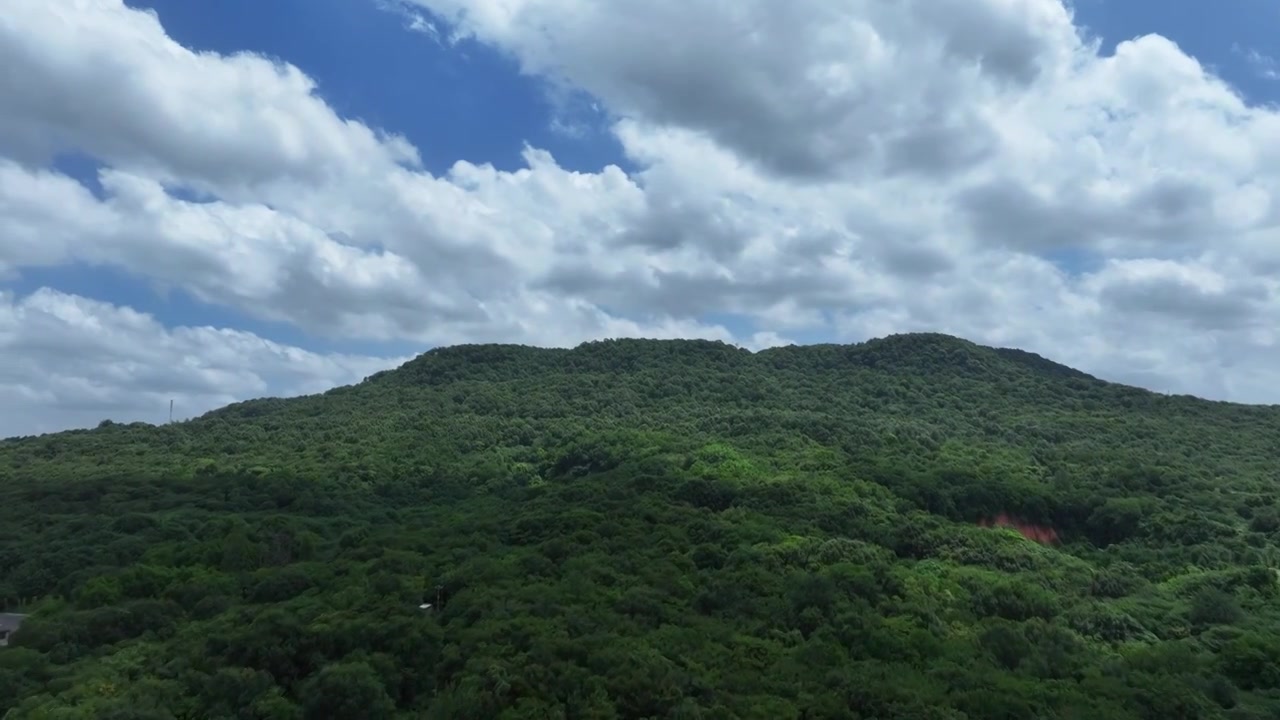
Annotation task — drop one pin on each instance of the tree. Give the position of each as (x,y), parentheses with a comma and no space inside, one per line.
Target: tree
(346,691)
(1211,606)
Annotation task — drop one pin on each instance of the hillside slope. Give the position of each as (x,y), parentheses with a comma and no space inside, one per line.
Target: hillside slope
(642,528)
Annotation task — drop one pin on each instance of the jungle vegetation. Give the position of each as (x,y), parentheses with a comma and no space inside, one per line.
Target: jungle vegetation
(911,527)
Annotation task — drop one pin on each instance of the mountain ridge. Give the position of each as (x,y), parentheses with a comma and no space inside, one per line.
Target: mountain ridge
(868,353)
(899,354)
(917,526)
(908,390)
(460,362)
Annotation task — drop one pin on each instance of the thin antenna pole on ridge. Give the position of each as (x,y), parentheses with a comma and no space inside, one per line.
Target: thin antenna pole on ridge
(170,410)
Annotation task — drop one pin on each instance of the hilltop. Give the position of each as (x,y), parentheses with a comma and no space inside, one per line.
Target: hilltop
(641,528)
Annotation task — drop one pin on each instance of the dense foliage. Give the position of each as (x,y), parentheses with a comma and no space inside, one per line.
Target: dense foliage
(645,529)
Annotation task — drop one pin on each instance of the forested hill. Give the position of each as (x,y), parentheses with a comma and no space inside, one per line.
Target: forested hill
(636,528)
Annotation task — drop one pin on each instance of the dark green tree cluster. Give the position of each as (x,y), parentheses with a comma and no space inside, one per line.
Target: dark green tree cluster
(654,529)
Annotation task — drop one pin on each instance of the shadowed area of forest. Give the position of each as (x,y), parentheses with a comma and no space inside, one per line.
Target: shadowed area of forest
(915,526)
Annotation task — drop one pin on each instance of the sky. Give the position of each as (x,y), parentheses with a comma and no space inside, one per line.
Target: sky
(211,202)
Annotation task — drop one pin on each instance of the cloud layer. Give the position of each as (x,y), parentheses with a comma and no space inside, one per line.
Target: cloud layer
(813,169)
(72,362)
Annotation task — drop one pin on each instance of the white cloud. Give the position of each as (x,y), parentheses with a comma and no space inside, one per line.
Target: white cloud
(806,88)
(1263,65)
(96,76)
(854,168)
(71,361)
(918,158)
(414,20)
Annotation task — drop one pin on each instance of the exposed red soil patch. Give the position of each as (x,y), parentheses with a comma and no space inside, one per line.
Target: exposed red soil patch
(1038,533)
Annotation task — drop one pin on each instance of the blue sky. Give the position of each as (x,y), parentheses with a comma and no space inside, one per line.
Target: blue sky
(470,102)
(461,102)
(749,207)
(465,102)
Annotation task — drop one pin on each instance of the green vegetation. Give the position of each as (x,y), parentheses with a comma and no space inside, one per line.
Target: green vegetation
(644,529)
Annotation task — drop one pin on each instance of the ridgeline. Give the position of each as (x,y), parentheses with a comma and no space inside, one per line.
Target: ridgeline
(915,526)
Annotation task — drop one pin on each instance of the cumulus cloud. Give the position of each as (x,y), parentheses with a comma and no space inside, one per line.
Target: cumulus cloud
(808,88)
(1263,65)
(105,79)
(923,163)
(840,169)
(72,362)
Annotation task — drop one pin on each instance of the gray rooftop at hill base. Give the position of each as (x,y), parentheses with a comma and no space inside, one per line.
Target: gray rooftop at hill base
(9,623)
